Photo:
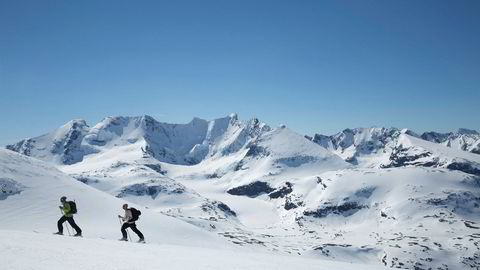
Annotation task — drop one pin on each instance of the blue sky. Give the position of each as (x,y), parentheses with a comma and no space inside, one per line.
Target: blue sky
(316,66)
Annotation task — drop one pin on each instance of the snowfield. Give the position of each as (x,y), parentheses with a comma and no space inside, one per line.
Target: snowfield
(25,250)
(372,197)
(35,207)
(31,211)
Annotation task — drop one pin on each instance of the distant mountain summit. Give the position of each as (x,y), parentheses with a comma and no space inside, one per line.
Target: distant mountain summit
(183,144)
(368,147)
(64,145)
(361,146)
(193,142)
(464,139)
(173,143)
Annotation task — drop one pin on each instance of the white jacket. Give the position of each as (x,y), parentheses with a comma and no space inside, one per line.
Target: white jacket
(128,216)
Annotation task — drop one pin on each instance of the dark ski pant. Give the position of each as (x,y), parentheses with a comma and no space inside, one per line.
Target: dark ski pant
(133,227)
(70,221)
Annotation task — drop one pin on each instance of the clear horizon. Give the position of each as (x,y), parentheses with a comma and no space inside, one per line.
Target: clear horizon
(315,66)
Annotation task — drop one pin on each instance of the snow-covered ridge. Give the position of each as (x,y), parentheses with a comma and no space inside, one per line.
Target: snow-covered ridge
(464,139)
(200,139)
(173,143)
(370,147)
(381,196)
(60,146)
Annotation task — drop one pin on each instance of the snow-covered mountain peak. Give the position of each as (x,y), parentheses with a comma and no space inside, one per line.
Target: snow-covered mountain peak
(186,143)
(372,147)
(409,132)
(360,146)
(226,136)
(400,200)
(406,140)
(234,116)
(463,139)
(76,122)
(415,152)
(61,145)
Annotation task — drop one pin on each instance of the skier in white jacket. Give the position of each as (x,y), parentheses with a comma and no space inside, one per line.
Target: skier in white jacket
(129,222)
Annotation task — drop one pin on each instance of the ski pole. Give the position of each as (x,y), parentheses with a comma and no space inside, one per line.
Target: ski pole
(129,238)
(68,230)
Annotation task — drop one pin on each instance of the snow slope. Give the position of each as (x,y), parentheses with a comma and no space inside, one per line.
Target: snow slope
(23,250)
(412,151)
(408,217)
(28,206)
(377,196)
(403,217)
(238,153)
(35,206)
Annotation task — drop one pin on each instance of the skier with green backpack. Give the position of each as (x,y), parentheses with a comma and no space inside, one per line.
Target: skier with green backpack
(68,209)
(131,215)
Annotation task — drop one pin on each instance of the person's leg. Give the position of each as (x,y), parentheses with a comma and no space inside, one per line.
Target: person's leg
(134,228)
(124,230)
(60,224)
(74,225)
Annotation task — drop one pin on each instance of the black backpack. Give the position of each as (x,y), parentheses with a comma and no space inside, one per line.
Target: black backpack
(135,214)
(73,207)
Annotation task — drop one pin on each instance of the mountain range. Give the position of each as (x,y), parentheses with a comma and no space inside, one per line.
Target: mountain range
(380,196)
